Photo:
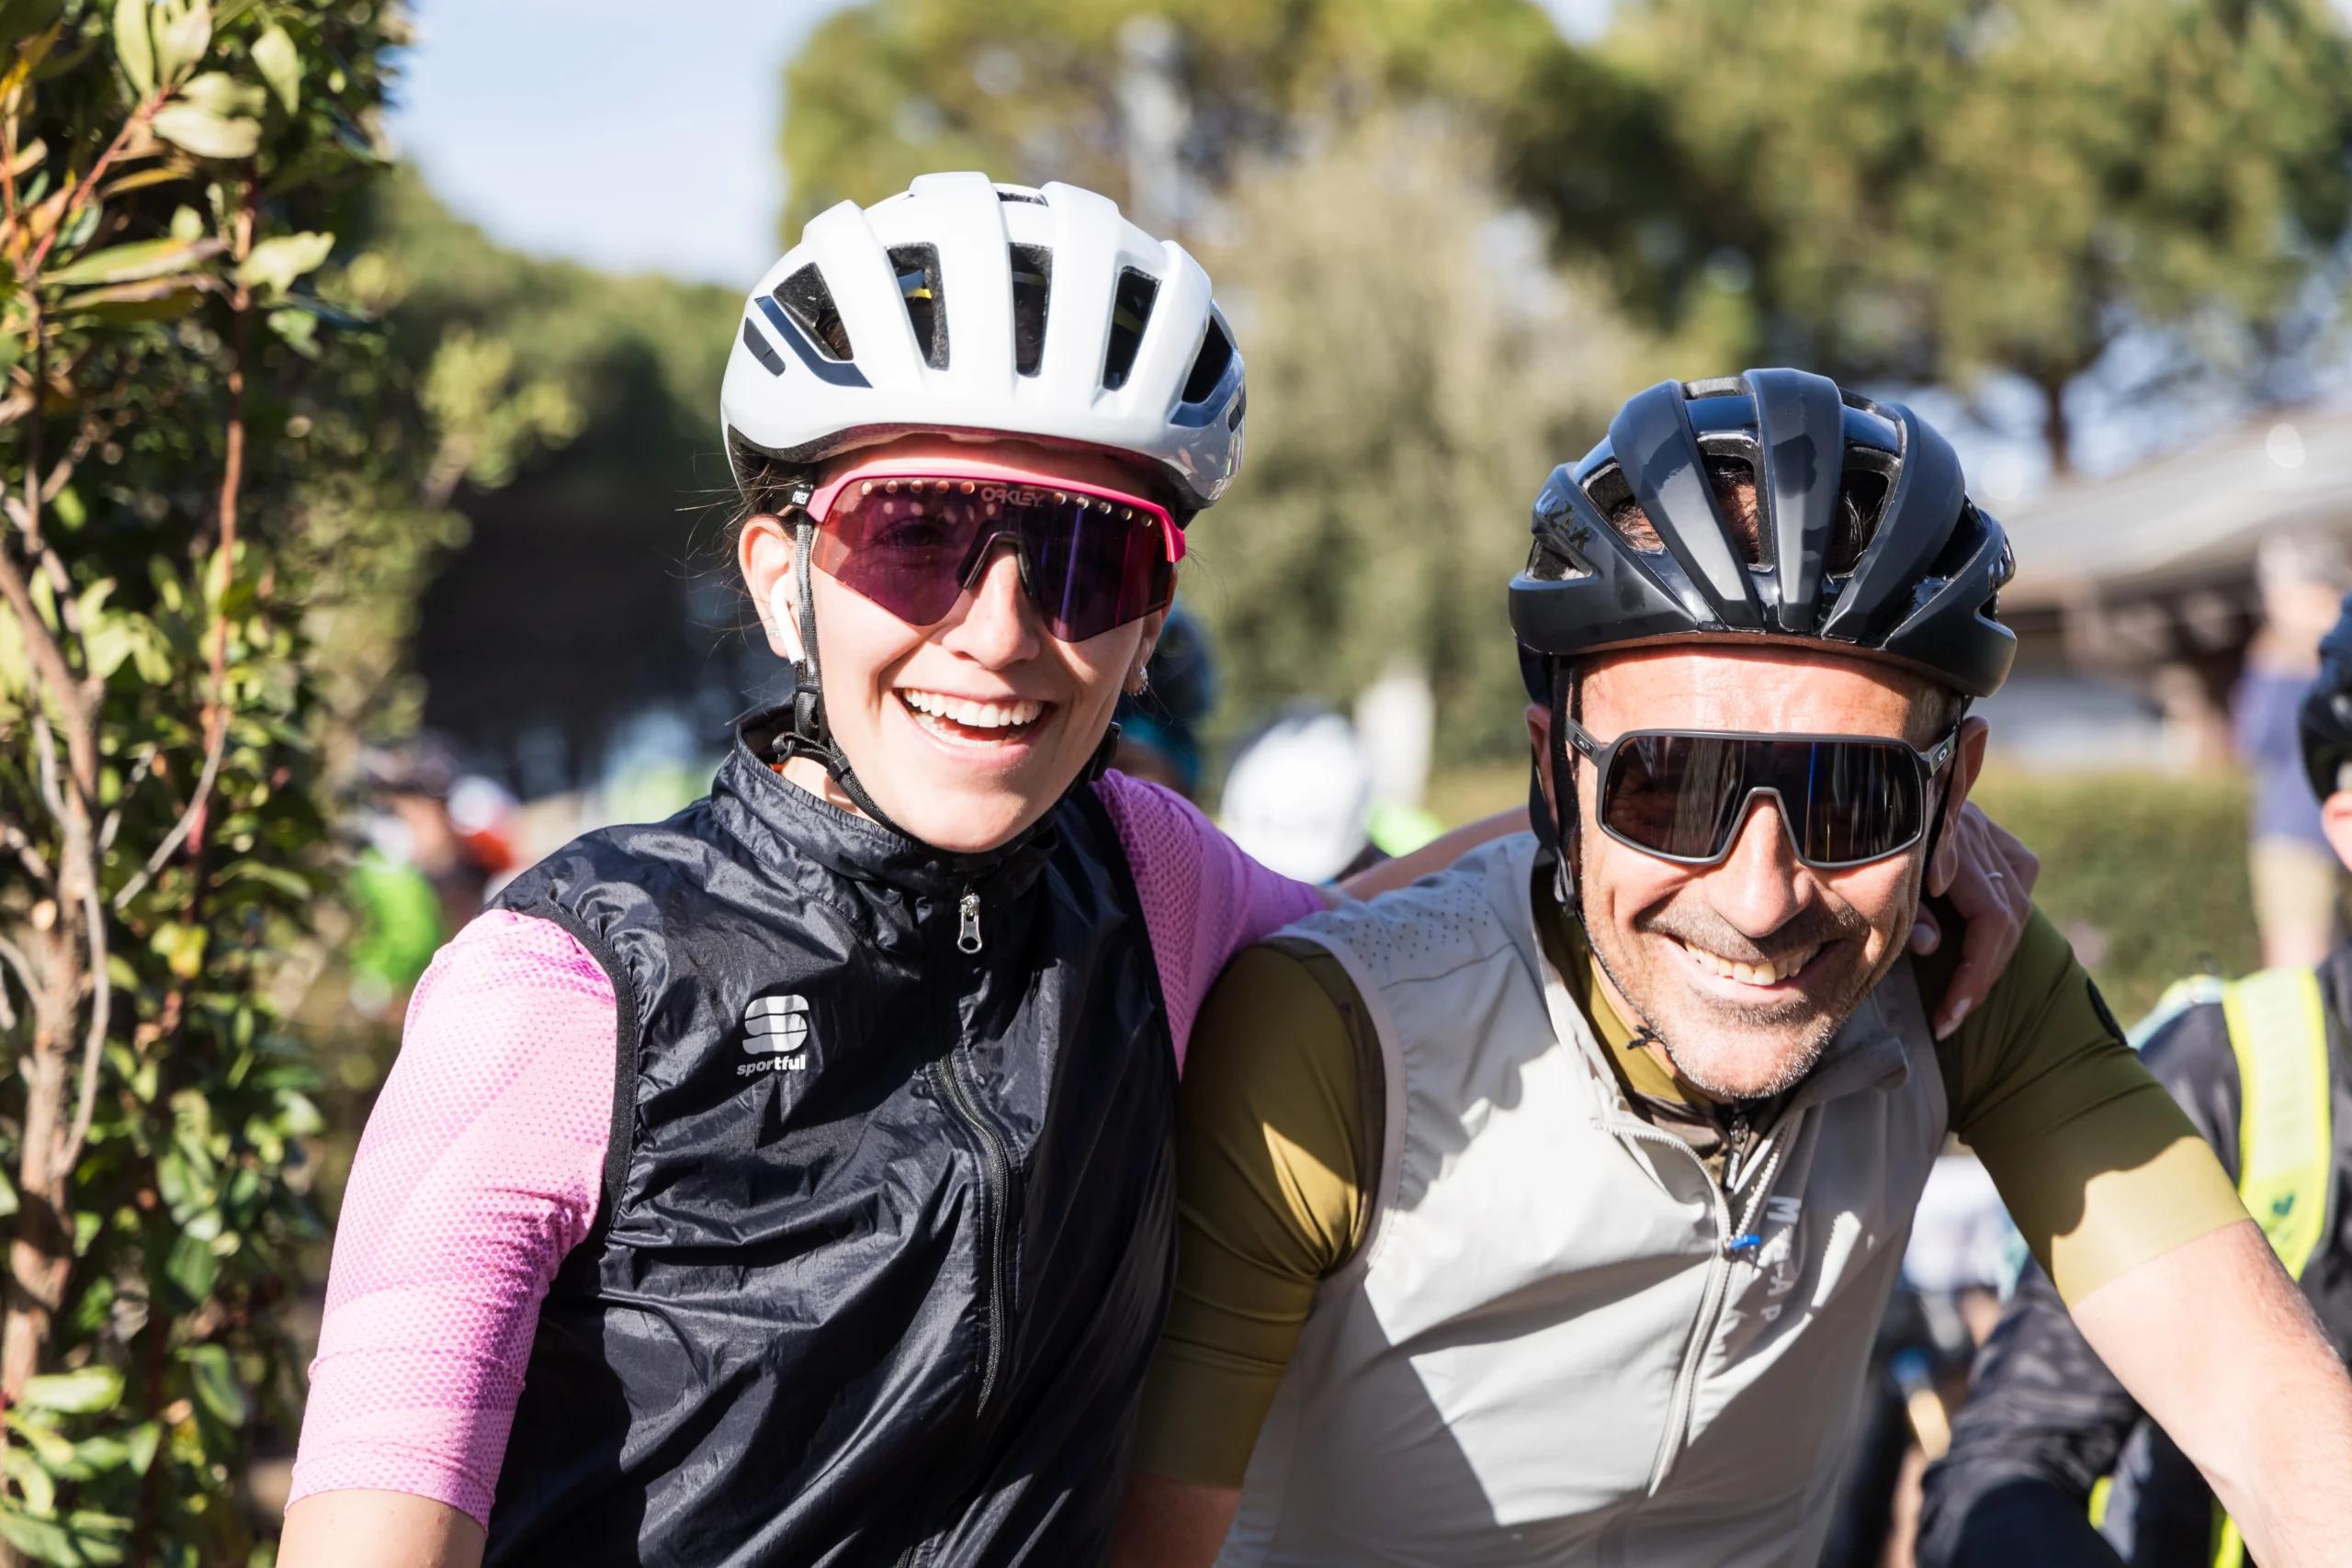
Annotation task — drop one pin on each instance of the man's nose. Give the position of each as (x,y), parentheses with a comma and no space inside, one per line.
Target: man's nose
(1760,886)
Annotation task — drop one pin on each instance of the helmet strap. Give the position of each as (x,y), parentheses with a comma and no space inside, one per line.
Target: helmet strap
(809,732)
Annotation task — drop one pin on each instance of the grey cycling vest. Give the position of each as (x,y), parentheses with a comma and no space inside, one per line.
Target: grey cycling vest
(1563,1342)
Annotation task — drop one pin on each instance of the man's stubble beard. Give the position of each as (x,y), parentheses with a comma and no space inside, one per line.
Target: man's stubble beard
(1792,1065)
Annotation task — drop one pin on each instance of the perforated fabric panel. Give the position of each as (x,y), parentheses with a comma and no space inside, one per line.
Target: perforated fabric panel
(478,1171)
(1204,899)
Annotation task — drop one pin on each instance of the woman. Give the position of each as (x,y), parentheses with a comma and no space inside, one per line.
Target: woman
(789,1181)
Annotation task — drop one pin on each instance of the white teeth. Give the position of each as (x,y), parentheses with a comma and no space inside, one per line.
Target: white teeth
(972,715)
(1763,974)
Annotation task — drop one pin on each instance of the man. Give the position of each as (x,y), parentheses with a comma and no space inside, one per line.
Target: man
(1543,1212)
(2262,1069)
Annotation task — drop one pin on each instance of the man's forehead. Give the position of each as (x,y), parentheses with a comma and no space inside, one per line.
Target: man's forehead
(1770,687)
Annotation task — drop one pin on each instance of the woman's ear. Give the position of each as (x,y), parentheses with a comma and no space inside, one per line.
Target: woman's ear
(764,552)
(1144,646)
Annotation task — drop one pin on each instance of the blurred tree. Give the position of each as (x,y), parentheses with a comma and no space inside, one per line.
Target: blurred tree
(218,488)
(1417,365)
(1033,90)
(574,600)
(1931,190)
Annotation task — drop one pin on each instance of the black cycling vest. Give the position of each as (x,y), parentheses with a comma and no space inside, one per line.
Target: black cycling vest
(888,1226)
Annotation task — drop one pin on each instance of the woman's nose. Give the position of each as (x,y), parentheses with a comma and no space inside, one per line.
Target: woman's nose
(994,623)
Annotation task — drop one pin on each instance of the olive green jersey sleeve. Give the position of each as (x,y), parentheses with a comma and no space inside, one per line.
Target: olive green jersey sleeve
(2099,1167)
(1274,1158)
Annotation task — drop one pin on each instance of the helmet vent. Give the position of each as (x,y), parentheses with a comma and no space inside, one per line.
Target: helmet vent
(917,267)
(1861,502)
(1734,483)
(810,303)
(1033,288)
(1130,314)
(1209,366)
(762,350)
(1613,498)
(1020,198)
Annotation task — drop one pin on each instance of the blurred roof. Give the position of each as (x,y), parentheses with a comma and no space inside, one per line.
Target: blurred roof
(2184,518)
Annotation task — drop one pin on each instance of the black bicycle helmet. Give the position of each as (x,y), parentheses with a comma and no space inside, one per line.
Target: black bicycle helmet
(1865,538)
(2325,718)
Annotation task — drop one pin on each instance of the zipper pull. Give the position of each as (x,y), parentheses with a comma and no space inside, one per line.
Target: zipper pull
(1737,1136)
(968,929)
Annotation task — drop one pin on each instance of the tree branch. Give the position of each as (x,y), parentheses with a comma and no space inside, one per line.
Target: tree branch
(214,746)
(13,838)
(48,662)
(29,269)
(101,1015)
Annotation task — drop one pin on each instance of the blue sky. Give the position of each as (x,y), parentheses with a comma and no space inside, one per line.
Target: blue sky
(634,136)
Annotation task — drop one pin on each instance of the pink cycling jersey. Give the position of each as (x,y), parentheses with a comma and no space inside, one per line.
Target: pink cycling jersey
(479,1169)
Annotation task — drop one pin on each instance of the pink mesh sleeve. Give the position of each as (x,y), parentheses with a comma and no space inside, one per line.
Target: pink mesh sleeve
(478,1171)
(1204,900)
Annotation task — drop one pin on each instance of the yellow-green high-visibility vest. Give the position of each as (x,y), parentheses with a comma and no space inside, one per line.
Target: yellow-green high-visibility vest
(2278,1026)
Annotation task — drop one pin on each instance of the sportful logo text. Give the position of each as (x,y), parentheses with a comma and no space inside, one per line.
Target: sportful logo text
(777,1031)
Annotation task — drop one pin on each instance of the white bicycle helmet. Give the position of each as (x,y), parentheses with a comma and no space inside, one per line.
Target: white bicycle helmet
(1298,798)
(963,305)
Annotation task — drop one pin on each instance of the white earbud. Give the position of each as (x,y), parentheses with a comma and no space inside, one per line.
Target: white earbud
(787,623)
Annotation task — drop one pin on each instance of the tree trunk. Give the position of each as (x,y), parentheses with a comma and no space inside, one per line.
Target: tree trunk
(2057,434)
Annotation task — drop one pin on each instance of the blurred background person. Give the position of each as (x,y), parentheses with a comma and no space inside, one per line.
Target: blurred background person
(2052,1462)
(1299,798)
(439,841)
(2297,880)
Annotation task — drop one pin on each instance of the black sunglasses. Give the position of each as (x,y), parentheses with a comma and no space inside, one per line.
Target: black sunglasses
(1681,794)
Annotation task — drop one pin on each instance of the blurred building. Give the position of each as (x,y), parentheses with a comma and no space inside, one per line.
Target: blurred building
(2136,593)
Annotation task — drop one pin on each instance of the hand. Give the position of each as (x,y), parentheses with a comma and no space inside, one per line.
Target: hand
(1989,877)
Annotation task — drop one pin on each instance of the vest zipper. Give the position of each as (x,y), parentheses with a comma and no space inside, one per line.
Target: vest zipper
(967,927)
(996,1169)
(1686,1379)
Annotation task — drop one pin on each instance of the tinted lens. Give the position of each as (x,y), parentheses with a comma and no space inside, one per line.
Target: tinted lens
(911,544)
(1678,794)
(1090,570)
(901,544)
(1860,801)
(1845,801)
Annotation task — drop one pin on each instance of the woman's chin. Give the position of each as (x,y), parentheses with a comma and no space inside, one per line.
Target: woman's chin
(967,821)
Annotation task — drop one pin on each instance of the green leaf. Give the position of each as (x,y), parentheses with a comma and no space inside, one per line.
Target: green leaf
(217,92)
(33,1479)
(298,330)
(49,1445)
(192,1267)
(181,946)
(277,261)
(156,300)
(20,19)
(129,263)
(39,1539)
(181,41)
(82,1393)
(280,65)
(206,134)
(217,1388)
(132,46)
(141,1442)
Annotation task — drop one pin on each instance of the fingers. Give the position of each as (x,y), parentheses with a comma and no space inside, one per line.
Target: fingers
(1926,933)
(1991,886)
